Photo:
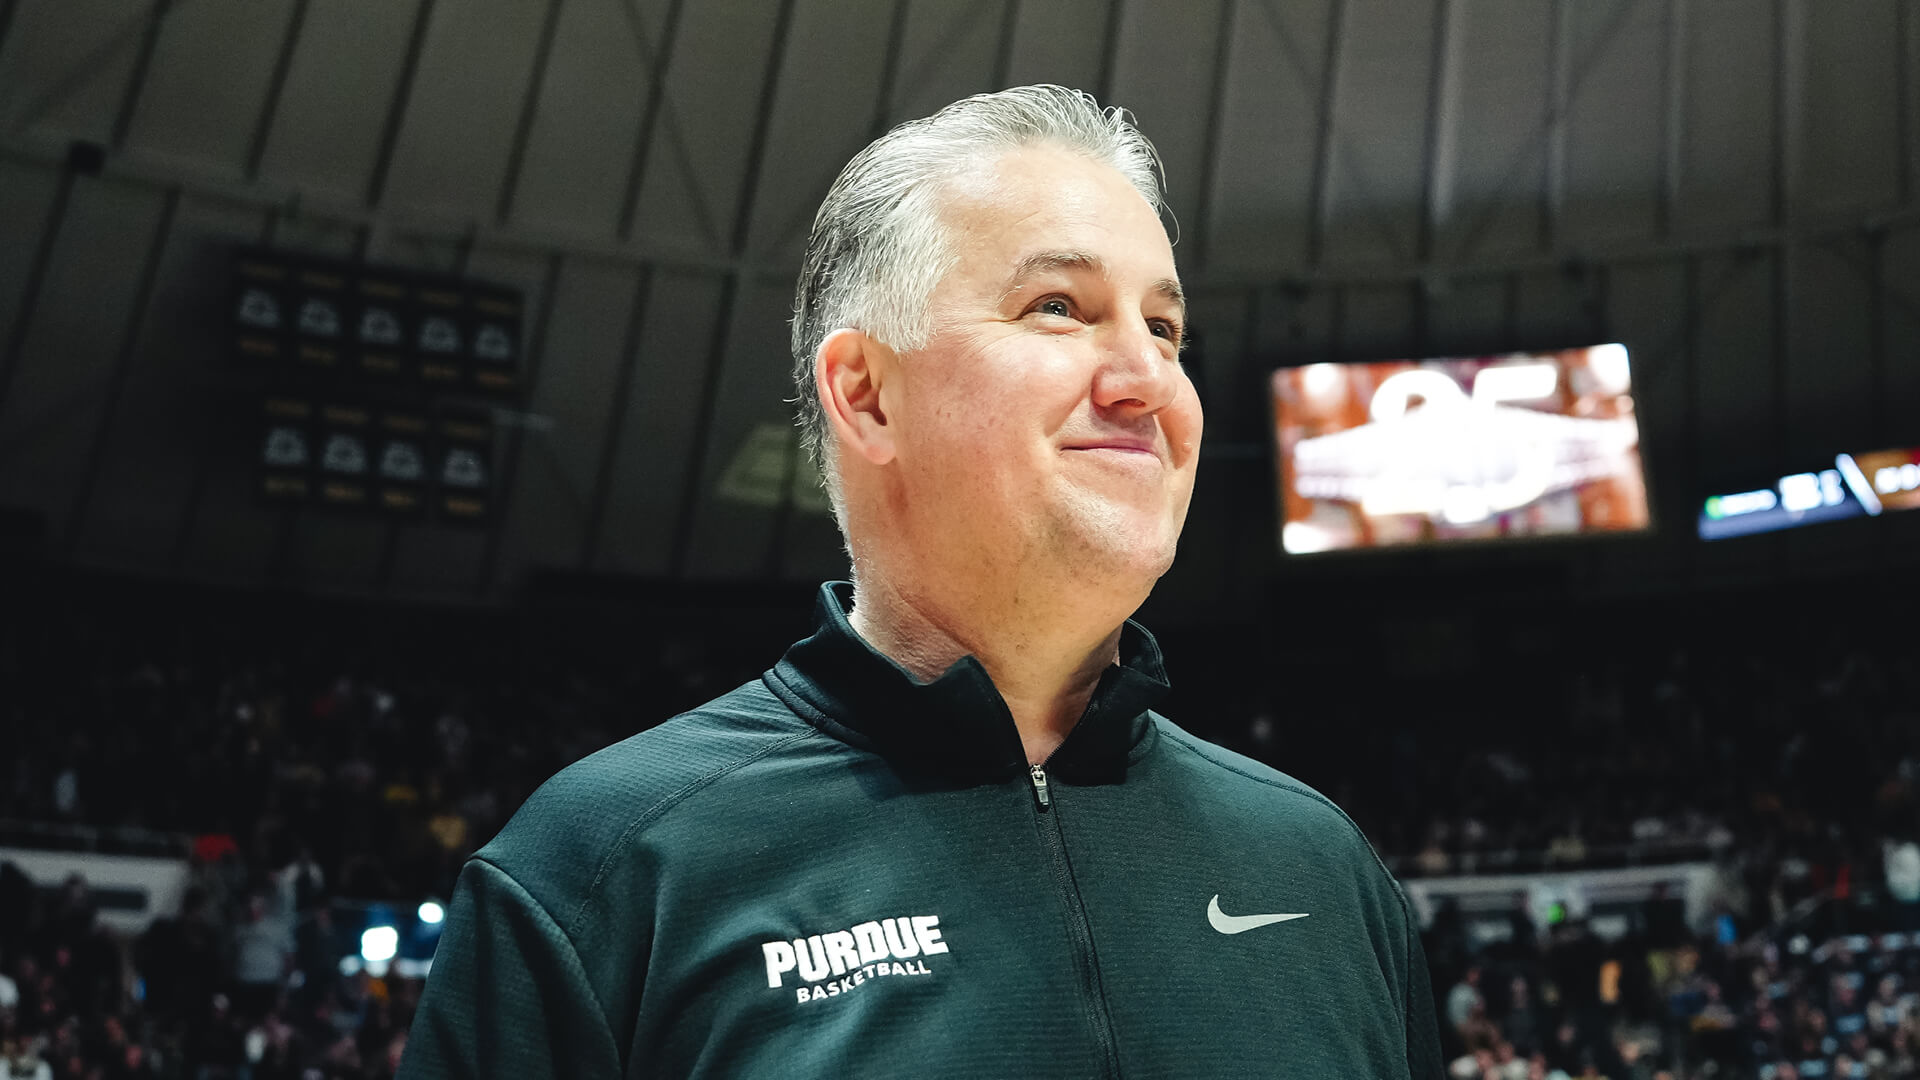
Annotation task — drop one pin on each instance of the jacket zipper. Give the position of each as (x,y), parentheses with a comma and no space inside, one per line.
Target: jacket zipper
(1048,821)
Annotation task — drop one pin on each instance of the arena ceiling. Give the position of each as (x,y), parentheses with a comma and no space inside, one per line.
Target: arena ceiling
(1350,178)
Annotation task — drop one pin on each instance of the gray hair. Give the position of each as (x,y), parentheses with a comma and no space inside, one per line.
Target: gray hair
(878,246)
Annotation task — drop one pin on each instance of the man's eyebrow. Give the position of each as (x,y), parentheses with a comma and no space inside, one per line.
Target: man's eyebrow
(1171,290)
(1044,262)
(1048,261)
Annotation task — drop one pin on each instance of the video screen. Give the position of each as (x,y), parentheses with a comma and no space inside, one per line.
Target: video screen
(1857,485)
(1431,451)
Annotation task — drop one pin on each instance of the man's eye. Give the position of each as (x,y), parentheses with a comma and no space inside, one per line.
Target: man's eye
(1053,305)
(1165,329)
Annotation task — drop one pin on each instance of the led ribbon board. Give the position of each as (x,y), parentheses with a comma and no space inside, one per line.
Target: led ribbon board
(1856,485)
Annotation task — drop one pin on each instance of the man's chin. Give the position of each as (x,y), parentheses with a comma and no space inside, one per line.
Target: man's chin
(1122,549)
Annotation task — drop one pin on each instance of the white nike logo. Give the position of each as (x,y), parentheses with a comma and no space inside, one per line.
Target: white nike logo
(1240,924)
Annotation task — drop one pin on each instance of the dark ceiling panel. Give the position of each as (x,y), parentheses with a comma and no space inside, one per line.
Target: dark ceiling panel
(1379,152)
(64,373)
(1553,308)
(1641,302)
(66,64)
(178,391)
(326,134)
(451,156)
(1263,181)
(1728,168)
(648,464)
(28,197)
(821,118)
(948,52)
(581,348)
(1162,72)
(1492,200)
(1850,114)
(691,192)
(750,443)
(1060,42)
(1736,423)
(1616,123)
(1468,314)
(212,63)
(1376,322)
(589,113)
(1829,377)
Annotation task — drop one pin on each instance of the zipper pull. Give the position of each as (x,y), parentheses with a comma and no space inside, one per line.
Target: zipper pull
(1040,795)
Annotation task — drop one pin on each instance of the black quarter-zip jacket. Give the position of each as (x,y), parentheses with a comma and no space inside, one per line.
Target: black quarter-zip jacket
(839,870)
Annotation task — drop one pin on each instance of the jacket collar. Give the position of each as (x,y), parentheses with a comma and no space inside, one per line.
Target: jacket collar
(958,725)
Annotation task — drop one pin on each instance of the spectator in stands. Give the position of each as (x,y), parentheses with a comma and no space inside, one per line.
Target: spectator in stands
(262,957)
(1464,998)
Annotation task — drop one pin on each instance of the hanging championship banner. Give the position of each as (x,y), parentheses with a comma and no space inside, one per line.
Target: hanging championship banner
(440,336)
(346,457)
(259,309)
(494,315)
(319,316)
(400,463)
(286,448)
(464,476)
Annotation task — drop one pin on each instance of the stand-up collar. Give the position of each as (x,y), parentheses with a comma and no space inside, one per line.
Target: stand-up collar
(958,725)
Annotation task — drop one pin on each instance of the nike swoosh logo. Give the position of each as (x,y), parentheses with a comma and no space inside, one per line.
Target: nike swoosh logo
(1240,924)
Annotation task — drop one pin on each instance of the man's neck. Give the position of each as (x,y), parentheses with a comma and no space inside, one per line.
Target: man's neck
(1045,668)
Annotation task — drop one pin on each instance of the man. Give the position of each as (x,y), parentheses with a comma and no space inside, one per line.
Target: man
(945,836)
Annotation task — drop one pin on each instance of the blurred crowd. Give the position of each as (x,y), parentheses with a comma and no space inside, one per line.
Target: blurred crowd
(316,752)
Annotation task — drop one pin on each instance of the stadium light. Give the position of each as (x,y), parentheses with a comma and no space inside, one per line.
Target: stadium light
(431,912)
(378,944)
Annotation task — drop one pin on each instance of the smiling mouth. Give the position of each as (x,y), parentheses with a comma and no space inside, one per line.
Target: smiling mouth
(1118,453)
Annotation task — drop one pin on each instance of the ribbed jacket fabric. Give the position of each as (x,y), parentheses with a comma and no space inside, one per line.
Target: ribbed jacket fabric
(839,870)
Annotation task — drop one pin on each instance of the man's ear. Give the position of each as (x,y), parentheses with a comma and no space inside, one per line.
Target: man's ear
(848,372)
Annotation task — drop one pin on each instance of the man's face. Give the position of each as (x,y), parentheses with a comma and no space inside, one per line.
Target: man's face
(1048,422)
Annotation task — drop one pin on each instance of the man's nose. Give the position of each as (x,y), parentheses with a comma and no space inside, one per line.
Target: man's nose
(1135,373)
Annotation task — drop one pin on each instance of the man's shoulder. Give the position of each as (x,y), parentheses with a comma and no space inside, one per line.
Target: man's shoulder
(1257,788)
(561,836)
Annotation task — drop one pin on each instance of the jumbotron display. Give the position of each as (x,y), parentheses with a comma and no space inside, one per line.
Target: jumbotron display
(1857,485)
(1410,452)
